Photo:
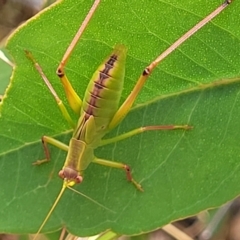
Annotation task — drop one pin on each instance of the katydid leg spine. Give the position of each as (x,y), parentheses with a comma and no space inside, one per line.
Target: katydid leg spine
(97,117)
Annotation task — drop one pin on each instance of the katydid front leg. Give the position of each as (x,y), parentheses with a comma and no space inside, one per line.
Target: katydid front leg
(52,141)
(125,167)
(113,164)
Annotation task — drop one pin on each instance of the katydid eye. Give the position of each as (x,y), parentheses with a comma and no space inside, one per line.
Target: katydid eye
(79,179)
(61,174)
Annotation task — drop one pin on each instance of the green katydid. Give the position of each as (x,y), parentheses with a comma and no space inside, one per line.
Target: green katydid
(99,111)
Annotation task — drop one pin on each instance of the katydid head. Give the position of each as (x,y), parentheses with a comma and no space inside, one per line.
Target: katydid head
(70,176)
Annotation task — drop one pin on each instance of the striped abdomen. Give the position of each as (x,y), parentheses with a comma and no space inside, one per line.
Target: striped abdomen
(102,95)
(104,89)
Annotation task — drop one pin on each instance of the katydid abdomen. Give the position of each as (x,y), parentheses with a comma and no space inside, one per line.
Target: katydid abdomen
(103,93)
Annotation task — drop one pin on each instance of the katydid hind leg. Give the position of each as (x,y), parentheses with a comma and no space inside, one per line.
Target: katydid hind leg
(142,130)
(48,140)
(127,104)
(119,165)
(74,100)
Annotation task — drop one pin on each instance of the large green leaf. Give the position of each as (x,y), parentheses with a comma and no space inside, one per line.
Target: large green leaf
(182,172)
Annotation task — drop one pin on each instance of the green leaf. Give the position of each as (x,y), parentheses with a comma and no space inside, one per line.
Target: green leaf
(5,73)
(182,172)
